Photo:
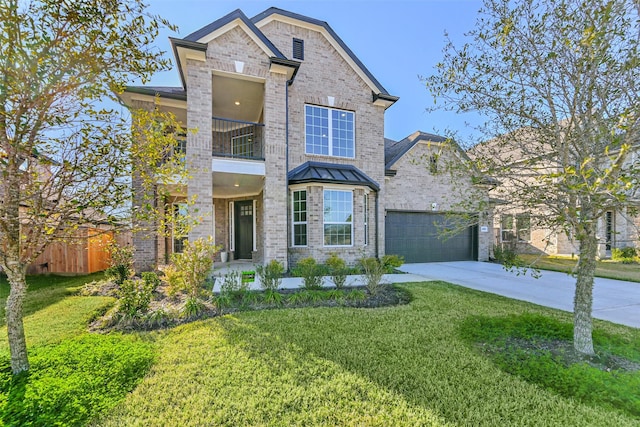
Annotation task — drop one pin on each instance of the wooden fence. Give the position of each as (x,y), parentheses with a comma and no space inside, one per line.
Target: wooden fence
(84,254)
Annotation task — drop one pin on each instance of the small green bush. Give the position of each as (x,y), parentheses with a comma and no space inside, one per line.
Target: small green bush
(121,265)
(195,264)
(174,280)
(391,262)
(151,280)
(373,271)
(337,269)
(272,297)
(506,256)
(311,273)
(135,297)
(270,275)
(624,255)
(192,308)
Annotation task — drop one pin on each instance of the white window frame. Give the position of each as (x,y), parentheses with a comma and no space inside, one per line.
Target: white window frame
(175,209)
(294,222)
(366,218)
(324,222)
(232,237)
(329,131)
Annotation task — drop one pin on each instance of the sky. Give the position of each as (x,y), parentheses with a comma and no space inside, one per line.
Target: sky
(397,40)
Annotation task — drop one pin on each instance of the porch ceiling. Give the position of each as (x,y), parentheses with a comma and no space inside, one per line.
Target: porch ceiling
(248,95)
(228,185)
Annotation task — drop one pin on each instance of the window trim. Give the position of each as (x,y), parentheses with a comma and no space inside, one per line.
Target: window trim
(324,222)
(294,222)
(515,228)
(329,131)
(232,237)
(366,219)
(175,236)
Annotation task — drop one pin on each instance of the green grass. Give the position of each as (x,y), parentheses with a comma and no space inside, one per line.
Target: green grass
(404,365)
(608,269)
(74,375)
(545,362)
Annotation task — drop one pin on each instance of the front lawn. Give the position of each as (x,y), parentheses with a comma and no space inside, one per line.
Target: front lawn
(403,365)
(411,364)
(606,268)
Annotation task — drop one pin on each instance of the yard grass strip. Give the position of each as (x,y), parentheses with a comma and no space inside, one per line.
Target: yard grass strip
(606,268)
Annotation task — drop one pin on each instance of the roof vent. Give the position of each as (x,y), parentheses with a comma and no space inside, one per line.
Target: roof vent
(298,49)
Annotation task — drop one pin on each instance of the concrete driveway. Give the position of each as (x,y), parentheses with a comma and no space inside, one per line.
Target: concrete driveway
(613,300)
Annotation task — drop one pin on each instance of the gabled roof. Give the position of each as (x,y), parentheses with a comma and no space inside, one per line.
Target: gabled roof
(331,174)
(200,34)
(379,91)
(394,150)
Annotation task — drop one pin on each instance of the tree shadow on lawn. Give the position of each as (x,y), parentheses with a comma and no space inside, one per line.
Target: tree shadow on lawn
(50,290)
(409,352)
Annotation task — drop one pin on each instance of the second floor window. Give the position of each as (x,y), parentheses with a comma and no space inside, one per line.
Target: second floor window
(329,132)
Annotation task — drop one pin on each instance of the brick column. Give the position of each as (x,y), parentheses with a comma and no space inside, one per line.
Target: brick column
(275,189)
(145,235)
(198,156)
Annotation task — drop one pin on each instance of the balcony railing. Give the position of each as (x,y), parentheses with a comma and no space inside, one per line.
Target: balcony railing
(238,139)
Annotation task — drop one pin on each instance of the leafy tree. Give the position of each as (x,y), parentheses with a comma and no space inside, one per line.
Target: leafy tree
(558,81)
(65,160)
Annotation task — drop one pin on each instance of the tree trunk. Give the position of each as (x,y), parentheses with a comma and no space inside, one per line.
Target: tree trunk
(15,326)
(583,298)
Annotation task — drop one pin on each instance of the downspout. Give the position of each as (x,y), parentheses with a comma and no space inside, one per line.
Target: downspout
(377,226)
(286,162)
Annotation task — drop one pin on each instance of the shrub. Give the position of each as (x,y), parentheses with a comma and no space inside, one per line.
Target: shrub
(195,264)
(270,275)
(311,273)
(272,297)
(338,270)
(373,271)
(174,280)
(121,265)
(391,262)
(151,279)
(624,255)
(192,308)
(506,256)
(135,296)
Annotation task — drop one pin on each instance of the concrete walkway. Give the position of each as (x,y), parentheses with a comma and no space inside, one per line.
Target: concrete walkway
(613,300)
(220,269)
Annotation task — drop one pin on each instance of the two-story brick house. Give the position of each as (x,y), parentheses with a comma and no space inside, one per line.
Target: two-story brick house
(287,159)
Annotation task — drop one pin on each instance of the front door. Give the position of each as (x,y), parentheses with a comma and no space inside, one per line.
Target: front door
(243,229)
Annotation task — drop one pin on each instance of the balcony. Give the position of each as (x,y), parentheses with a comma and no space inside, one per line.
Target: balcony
(238,157)
(237,139)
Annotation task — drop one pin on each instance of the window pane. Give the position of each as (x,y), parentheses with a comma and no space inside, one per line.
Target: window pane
(316,130)
(299,218)
(337,234)
(338,213)
(300,234)
(342,139)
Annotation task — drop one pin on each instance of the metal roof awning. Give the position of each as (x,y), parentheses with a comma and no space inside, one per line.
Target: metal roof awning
(331,174)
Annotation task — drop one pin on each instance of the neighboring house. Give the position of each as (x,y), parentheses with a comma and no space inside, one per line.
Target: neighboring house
(522,229)
(287,159)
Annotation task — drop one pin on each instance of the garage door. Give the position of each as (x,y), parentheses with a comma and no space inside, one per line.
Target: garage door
(414,235)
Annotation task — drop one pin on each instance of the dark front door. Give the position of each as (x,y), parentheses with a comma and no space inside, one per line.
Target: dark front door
(244,229)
